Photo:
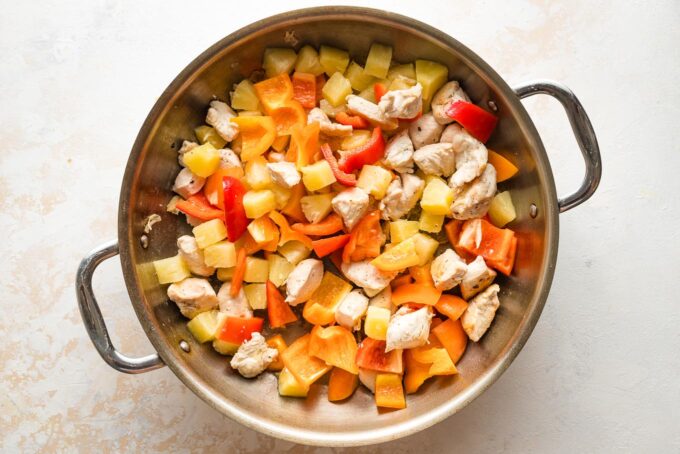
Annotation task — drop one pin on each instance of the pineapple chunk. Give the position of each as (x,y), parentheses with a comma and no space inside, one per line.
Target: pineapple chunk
(256,294)
(202,160)
(336,89)
(378,60)
(333,60)
(257,173)
(374,180)
(401,83)
(358,138)
(406,70)
(172,269)
(289,386)
(316,207)
(402,229)
(368,94)
(209,232)
(257,270)
(502,210)
(294,251)
(358,78)
(225,274)
(220,255)
(431,76)
(308,61)
(244,97)
(426,246)
(258,203)
(281,195)
(317,176)
(204,326)
(437,197)
(207,134)
(377,319)
(431,223)
(279,269)
(398,257)
(225,348)
(278,60)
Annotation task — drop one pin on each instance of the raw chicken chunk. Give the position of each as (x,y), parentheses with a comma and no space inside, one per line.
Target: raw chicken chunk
(480,313)
(253,356)
(192,296)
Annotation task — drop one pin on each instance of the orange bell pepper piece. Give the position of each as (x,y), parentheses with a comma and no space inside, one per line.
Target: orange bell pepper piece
(305,368)
(494,245)
(198,206)
(401,280)
(257,135)
(416,373)
(237,330)
(354,121)
(325,246)
(366,239)
(389,392)
(320,308)
(320,82)
(329,225)
(247,243)
(504,168)
(451,306)
(239,272)
(304,143)
(273,92)
(421,274)
(278,311)
(452,336)
(371,355)
(505,266)
(213,189)
(379,91)
(287,116)
(293,208)
(304,89)
(336,346)
(452,229)
(438,359)
(265,233)
(341,384)
(288,234)
(416,293)
(279,344)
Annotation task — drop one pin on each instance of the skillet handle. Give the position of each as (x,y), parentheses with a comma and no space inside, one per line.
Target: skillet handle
(583,131)
(94,322)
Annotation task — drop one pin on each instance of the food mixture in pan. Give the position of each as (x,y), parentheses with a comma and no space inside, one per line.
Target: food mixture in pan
(358,201)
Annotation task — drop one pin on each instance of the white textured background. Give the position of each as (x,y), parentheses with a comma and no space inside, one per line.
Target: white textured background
(599,374)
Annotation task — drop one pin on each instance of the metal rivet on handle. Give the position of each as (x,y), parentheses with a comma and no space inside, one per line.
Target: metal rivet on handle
(144,241)
(184,345)
(533,210)
(492,106)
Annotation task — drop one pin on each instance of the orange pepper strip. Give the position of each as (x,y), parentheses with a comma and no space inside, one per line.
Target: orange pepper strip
(389,392)
(336,346)
(273,92)
(421,274)
(401,280)
(305,368)
(239,272)
(366,239)
(278,343)
(354,121)
(451,306)
(198,206)
(505,266)
(341,385)
(288,234)
(287,116)
(504,168)
(304,89)
(329,225)
(379,91)
(325,246)
(293,208)
(416,373)
(452,336)
(304,143)
(416,293)
(278,311)
(213,189)
(256,134)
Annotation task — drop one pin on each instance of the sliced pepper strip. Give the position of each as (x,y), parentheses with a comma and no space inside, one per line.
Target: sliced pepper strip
(477,121)
(239,272)
(326,246)
(288,234)
(234,213)
(354,121)
(346,179)
(372,151)
(304,143)
(304,89)
(198,206)
(329,225)
(416,293)
(278,311)
(293,208)
(366,239)
(379,91)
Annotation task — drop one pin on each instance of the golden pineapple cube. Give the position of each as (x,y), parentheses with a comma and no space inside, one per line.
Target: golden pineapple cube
(258,203)
(202,160)
(225,274)
(431,223)
(289,386)
(171,269)
(405,70)
(220,255)
(426,246)
(374,180)
(224,347)
(204,326)
(402,229)
(281,195)
(336,89)
(431,76)
(377,319)
(308,61)
(257,270)
(401,83)
(378,60)
(502,210)
(317,176)
(207,134)
(294,251)
(257,173)
(368,94)
(357,77)
(279,269)
(316,207)
(278,60)
(333,60)
(244,97)
(209,232)
(256,294)
(437,197)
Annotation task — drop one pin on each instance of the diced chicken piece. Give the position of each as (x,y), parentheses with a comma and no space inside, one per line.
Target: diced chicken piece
(351,309)
(351,205)
(193,296)
(234,306)
(436,159)
(303,281)
(218,117)
(326,126)
(229,159)
(187,145)
(447,95)
(367,378)
(477,277)
(193,256)
(284,173)
(406,103)
(371,112)
(331,110)
(471,155)
(367,276)
(408,328)
(276,157)
(399,153)
(473,199)
(402,195)
(425,131)
(480,313)
(253,356)
(447,270)
(187,183)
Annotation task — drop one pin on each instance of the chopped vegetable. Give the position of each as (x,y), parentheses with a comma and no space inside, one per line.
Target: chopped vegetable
(366,239)
(235,213)
(207,134)
(504,168)
(354,121)
(239,272)
(237,330)
(279,344)
(451,306)
(452,336)
(256,135)
(379,90)
(288,234)
(378,60)
(431,76)
(257,270)
(303,145)
(210,232)
(275,91)
(426,246)
(220,255)
(437,197)
(402,229)
(374,180)
(505,266)
(336,89)
(389,392)
(357,139)
(342,177)
(304,89)
(279,269)
(431,223)
(421,274)
(244,97)
(399,257)
(320,308)
(199,207)
(278,60)
(279,312)
(341,384)
(305,368)
(204,326)
(318,175)
(287,116)
(202,160)
(257,174)
(256,294)
(326,246)
(477,121)
(371,355)
(336,346)
(294,251)
(480,237)
(265,233)
(214,189)
(289,386)
(293,208)
(416,293)
(357,77)
(368,153)
(501,210)
(258,203)
(172,269)
(377,319)
(333,60)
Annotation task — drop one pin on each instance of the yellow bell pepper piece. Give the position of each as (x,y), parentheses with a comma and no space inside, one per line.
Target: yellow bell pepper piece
(257,135)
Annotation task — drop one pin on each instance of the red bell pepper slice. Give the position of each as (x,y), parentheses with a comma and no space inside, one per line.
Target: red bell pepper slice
(368,153)
(366,239)
(371,355)
(480,237)
(234,214)
(354,121)
(278,311)
(505,266)
(379,91)
(198,206)
(326,246)
(237,330)
(477,121)
(343,178)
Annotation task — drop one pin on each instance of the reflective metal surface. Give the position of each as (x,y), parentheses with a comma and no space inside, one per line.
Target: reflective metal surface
(255,403)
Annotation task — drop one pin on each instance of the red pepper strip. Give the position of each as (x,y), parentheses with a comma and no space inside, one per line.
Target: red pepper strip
(343,178)
(379,91)
(234,214)
(199,207)
(278,311)
(354,121)
(325,246)
(330,225)
(477,121)
(239,273)
(237,330)
(368,153)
